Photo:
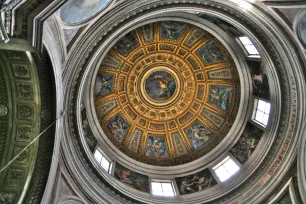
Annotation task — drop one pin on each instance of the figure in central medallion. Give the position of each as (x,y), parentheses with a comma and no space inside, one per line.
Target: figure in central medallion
(160,86)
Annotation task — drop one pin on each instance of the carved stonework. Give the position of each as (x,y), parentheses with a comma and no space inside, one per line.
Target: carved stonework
(21,71)
(25,91)
(25,111)
(23,132)
(3,110)
(14,178)
(6,198)
(22,158)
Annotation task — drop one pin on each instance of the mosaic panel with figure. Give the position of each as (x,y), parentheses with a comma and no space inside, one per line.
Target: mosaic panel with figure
(210,53)
(198,134)
(171,30)
(157,147)
(104,84)
(118,127)
(220,96)
(126,44)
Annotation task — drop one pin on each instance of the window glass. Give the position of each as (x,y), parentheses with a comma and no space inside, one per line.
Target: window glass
(104,162)
(162,188)
(262,112)
(226,169)
(249,47)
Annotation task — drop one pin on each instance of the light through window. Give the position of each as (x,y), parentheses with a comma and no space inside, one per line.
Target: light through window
(226,169)
(250,48)
(262,112)
(104,163)
(162,188)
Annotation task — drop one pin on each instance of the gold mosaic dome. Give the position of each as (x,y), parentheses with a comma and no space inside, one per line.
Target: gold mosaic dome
(167,93)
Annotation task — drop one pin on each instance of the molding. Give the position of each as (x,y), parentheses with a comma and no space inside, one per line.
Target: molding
(301,164)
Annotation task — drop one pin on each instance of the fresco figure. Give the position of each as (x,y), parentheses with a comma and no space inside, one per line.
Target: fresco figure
(118,127)
(104,84)
(260,85)
(196,182)
(198,134)
(132,179)
(246,143)
(78,11)
(259,80)
(220,96)
(172,30)
(156,147)
(160,86)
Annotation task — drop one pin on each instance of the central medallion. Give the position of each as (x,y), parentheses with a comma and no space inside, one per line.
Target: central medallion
(159,85)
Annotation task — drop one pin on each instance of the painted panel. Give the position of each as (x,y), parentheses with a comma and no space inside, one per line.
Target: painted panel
(246,143)
(78,11)
(301,30)
(131,178)
(259,80)
(195,183)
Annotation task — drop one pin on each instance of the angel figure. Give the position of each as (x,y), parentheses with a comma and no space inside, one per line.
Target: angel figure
(172,29)
(103,85)
(221,97)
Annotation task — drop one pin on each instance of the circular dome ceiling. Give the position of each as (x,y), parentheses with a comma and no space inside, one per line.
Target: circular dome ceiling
(167,93)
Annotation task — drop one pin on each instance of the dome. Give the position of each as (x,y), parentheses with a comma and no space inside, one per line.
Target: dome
(167,93)
(160,101)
